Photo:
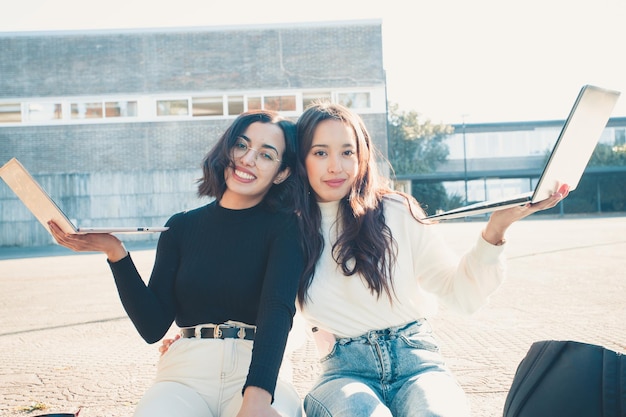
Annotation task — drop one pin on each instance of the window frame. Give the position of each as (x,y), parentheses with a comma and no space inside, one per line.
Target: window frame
(146,105)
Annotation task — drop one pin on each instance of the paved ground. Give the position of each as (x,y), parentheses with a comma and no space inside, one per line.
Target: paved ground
(66,343)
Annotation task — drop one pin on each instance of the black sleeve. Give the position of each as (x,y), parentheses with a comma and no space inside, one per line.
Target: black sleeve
(277,306)
(151,307)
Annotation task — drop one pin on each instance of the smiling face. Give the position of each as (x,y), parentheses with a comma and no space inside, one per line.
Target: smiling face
(253,171)
(331,163)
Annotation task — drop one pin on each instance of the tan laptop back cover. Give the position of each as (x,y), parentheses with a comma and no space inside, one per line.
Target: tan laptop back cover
(33,196)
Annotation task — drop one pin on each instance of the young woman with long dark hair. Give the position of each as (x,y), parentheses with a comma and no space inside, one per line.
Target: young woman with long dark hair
(227,274)
(375,274)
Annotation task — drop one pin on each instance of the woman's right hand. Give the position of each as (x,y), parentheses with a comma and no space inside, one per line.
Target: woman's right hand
(90,242)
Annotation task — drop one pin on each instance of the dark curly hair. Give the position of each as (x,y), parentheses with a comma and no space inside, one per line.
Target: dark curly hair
(280,197)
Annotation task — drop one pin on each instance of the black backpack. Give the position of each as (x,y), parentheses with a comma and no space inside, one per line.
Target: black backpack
(568,379)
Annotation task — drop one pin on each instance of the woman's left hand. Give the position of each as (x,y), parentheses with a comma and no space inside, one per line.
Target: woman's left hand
(500,220)
(166,343)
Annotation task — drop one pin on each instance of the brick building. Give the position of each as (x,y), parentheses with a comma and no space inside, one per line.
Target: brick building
(114,124)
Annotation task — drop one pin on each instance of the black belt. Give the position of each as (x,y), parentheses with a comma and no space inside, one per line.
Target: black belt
(219,332)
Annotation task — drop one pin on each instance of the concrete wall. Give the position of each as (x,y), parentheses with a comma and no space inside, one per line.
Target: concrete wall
(120,175)
(137,198)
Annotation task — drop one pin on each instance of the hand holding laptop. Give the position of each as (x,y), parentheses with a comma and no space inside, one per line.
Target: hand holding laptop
(570,154)
(106,243)
(500,220)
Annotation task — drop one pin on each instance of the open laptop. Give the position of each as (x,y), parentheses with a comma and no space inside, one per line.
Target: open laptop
(569,157)
(37,200)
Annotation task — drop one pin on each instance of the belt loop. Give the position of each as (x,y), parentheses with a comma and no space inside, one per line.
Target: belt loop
(217,332)
(197,332)
(241,333)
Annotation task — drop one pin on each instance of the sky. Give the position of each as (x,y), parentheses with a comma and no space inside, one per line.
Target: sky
(449,60)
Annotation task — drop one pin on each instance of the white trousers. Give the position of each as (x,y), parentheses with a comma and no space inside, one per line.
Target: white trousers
(204,378)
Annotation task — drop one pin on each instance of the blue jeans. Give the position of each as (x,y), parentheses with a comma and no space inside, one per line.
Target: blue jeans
(392,372)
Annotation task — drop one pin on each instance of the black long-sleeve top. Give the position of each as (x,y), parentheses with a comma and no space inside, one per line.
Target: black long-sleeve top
(215,265)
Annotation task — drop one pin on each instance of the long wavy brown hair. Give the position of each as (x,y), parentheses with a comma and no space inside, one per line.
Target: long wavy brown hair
(365,245)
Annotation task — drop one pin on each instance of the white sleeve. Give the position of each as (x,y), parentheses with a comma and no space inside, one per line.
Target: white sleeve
(463,284)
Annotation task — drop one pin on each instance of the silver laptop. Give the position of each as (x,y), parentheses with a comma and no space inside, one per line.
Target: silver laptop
(37,200)
(570,155)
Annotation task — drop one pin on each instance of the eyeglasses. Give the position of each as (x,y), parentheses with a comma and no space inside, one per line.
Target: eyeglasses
(241,149)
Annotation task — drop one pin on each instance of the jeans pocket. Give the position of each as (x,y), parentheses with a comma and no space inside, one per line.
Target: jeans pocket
(424,341)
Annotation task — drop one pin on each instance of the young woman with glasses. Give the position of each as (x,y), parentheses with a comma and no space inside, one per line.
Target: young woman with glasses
(227,274)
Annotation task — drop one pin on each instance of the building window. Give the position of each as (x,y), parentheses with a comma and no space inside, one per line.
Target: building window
(10,112)
(279,103)
(235,105)
(620,137)
(77,110)
(310,98)
(207,106)
(173,107)
(255,103)
(120,109)
(86,110)
(275,103)
(355,100)
(42,112)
